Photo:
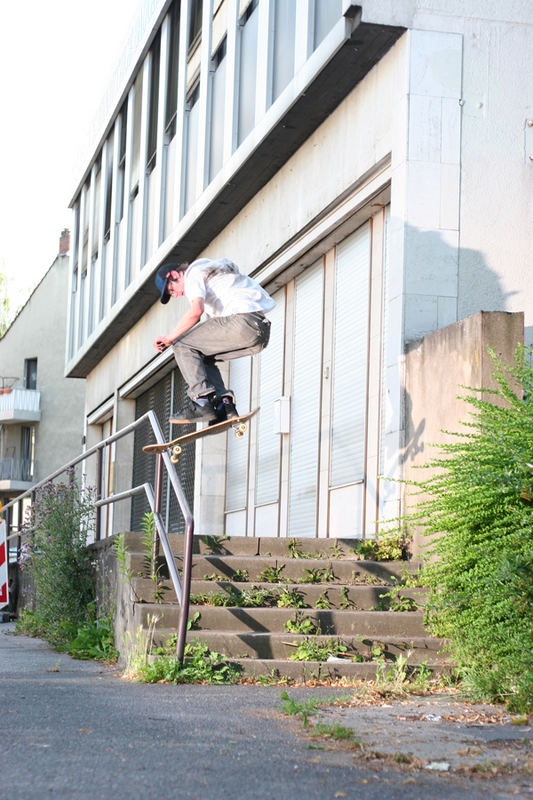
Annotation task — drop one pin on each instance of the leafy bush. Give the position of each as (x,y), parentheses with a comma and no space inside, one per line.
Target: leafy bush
(61,517)
(200,665)
(94,639)
(391,546)
(478,515)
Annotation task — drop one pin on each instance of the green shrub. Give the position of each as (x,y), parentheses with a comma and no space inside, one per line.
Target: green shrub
(200,665)
(477,513)
(61,518)
(94,639)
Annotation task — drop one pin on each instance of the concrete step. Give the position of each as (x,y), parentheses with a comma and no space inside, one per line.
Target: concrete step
(276,620)
(266,645)
(301,671)
(256,546)
(311,571)
(338,595)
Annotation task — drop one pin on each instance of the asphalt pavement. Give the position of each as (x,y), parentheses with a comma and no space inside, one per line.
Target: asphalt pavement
(74,729)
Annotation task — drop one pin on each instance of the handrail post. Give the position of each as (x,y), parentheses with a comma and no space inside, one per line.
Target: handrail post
(99,470)
(157,502)
(185,591)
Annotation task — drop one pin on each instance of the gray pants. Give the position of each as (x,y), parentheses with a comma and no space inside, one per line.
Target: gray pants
(218,339)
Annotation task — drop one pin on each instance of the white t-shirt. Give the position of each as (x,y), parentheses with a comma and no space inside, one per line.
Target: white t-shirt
(224,289)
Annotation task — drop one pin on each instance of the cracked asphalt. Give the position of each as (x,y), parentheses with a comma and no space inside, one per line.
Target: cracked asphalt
(73,728)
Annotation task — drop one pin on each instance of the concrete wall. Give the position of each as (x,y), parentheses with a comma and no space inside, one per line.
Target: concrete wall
(39,332)
(437,368)
(484,219)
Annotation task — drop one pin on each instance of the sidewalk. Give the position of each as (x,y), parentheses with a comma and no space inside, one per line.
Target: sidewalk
(73,728)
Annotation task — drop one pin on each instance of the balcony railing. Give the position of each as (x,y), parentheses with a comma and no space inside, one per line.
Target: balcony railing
(20,405)
(16,469)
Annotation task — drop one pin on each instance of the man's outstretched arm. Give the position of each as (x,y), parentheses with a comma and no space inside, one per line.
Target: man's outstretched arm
(188,321)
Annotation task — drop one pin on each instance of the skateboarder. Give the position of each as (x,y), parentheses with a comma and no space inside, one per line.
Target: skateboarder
(236,327)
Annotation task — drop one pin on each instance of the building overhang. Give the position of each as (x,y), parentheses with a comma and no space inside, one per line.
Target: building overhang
(355,47)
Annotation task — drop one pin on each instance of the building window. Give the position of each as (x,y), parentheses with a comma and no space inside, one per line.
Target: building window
(30,373)
(248,70)
(218,88)
(122,161)
(192,119)
(195,22)
(284,38)
(108,189)
(327,13)
(173,70)
(154,105)
(26,453)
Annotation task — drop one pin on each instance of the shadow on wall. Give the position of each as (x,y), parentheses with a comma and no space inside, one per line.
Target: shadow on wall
(434,269)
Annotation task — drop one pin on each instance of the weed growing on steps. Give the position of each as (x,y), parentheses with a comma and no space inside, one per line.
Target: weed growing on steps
(344,600)
(317,575)
(254,597)
(240,576)
(136,648)
(294,548)
(121,554)
(290,598)
(272,574)
(302,624)
(200,665)
(391,546)
(394,600)
(318,650)
(214,544)
(323,600)
(152,569)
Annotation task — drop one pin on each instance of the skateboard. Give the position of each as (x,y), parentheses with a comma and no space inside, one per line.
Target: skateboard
(175,445)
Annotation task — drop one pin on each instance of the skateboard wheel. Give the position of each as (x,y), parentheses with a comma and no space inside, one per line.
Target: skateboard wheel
(243,427)
(175,454)
(239,434)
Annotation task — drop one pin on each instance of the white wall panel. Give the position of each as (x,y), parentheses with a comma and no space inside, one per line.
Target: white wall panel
(305,417)
(350,358)
(270,389)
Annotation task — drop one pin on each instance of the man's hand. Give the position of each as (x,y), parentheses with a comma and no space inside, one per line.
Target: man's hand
(188,321)
(161,343)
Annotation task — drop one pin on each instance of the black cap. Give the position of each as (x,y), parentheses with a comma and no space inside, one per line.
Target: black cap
(161,280)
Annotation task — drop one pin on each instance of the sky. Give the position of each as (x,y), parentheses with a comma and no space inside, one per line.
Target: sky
(57,58)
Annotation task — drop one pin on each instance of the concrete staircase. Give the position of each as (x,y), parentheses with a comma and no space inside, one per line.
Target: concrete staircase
(240,588)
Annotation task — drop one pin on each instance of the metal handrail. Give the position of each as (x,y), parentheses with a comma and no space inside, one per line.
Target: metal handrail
(182,588)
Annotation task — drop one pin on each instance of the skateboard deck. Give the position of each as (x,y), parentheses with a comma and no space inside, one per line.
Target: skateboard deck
(176,445)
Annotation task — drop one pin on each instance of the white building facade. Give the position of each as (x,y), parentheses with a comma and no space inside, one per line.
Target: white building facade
(371,165)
